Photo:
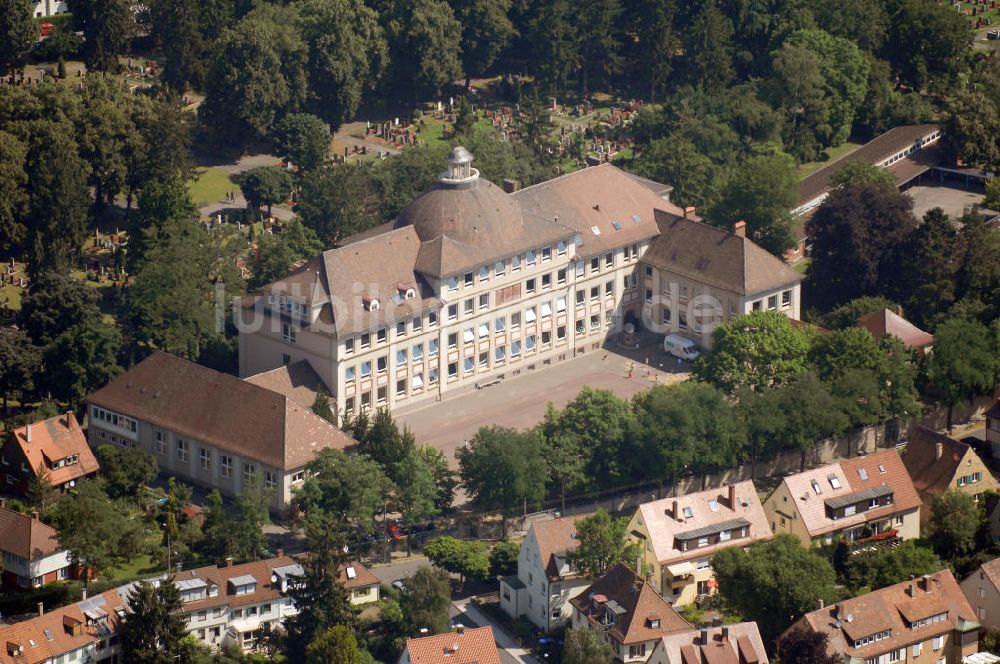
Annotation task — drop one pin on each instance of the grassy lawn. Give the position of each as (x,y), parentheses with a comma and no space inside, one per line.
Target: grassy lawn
(802,266)
(10,297)
(833,154)
(211,185)
(141,565)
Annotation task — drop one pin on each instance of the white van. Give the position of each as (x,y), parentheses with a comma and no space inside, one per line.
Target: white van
(682,347)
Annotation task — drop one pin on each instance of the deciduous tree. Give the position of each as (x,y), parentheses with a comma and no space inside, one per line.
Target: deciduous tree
(303,139)
(955,518)
(336,645)
(964,362)
(585,646)
(602,544)
(82,359)
(266,185)
(17,34)
(277,251)
(19,365)
(107,27)
(351,487)
(486,31)
(805,646)
(467,558)
(425,600)
(126,470)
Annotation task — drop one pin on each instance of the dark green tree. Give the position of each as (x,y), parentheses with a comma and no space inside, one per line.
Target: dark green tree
(82,359)
(486,31)
(760,192)
(54,303)
(303,139)
(90,527)
(847,314)
(503,558)
(245,539)
(885,567)
(425,600)
(154,629)
(107,27)
(708,51)
(322,407)
(20,363)
(805,646)
(467,558)
(809,414)
(277,251)
(13,194)
(963,364)
(929,290)
(424,44)
(266,185)
(39,493)
(17,35)
(350,487)
(555,48)
(339,201)
(444,477)
(955,519)
(161,201)
(416,488)
(597,30)
(679,162)
(927,43)
(796,90)
(126,470)
(585,646)
(773,582)
(602,544)
(336,645)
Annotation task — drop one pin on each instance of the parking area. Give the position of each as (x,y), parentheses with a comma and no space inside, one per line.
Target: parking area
(952,199)
(520,401)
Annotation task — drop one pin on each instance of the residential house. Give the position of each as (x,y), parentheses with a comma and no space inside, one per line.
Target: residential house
(473,283)
(32,556)
(45,8)
(628,612)
(678,536)
(993,428)
(221,606)
(462,646)
(889,323)
(211,429)
(56,445)
(544,583)
(726,644)
(982,589)
(359,581)
(937,462)
(855,499)
(921,621)
(86,631)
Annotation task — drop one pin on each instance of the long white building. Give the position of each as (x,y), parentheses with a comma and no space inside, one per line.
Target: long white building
(472,283)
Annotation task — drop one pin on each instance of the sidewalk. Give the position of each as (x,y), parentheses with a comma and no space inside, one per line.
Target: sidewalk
(504,640)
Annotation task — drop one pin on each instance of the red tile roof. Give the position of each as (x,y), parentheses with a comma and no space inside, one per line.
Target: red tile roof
(362,576)
(470,646)
(885,322)
(931,474)
(639,602)
(892,608)
(26,537)
(55,439)
(731,644)
(555,538)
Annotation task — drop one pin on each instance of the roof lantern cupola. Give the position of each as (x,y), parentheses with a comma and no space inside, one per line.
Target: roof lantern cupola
(460,170)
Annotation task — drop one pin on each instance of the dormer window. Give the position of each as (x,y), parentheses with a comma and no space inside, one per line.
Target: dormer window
(243,585)
(654,622)
(370,303)
(816,488)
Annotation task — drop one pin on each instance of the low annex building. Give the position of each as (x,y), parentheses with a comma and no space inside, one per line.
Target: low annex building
(855,499)
(472,284)
(938,463)
(678,536)
(359,581)
(545,582)
(210,428)
(462,646)
(56,445)
(31,552)
(628,612)
(888,323)
(923,621)
(726,644)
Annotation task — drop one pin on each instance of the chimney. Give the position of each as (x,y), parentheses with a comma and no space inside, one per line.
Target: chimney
(27,433)
(510,185)
(83,594)
(281,553)
(41,608)
(179,567)
(732,496)
(460,628)
(454,646)
(926,582)
(229,561)
(725,633)
(740,228)
(938,449)
(675,510)
(69,417)
(689,212)
(704,636)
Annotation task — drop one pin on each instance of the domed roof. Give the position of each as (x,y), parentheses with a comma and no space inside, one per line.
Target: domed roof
(464,208)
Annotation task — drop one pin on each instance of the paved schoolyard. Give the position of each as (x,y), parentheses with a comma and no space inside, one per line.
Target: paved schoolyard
(952,199)
(520,401)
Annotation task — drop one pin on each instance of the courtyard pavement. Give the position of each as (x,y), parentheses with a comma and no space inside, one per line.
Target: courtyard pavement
(950,198)
(520,401)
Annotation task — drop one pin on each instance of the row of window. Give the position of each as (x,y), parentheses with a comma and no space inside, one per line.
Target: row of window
(205,458)
(772,302)
(287,305)
(114,419)
(364,340)
(965,480)
(499,268)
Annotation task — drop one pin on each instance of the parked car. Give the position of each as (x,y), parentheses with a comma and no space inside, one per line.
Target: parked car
(682,347)
(46,29)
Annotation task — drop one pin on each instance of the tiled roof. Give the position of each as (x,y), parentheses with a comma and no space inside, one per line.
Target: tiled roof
(298,381)
(555,538)
(600,196)
(25,536)
(881,323)
(873,152)
(892,608)
(54,439)
(258,572)
(716,257)
(657,188)
(50,635)
(470,646)
(729,644)
(361,577)
(638,603)
(930,474)
(664,526)
(992,571)
(883,467)
(221,410)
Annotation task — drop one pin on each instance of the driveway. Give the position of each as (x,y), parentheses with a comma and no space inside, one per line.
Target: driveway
(468,614)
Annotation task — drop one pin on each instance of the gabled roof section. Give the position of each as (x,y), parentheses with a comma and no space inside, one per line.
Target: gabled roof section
(886,322)
(468,646)
(850,477)
(53,439)
(26,536)
(932,473)
(635,604)
(298,381)
(355,575)
(221,410)
(665,527)
(892,609)
(555,539)
(728,644)
(716,257)
(597,197)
